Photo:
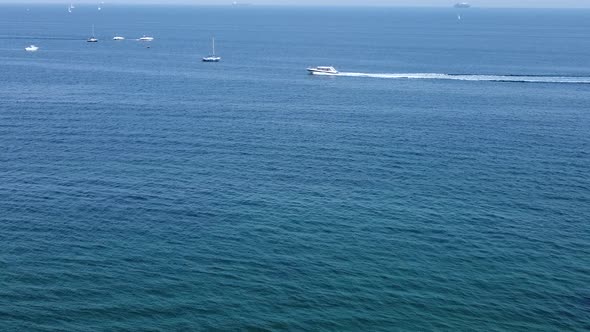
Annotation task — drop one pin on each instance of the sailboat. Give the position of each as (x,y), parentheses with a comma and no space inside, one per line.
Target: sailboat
(92,39)
(212,57)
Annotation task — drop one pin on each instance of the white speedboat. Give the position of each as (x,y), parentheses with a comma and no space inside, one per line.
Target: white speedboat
(32,48)
(322,70)
(118,38)
(212,57)
(146,39)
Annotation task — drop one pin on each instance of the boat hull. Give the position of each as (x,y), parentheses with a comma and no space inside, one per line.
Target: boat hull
(321,72)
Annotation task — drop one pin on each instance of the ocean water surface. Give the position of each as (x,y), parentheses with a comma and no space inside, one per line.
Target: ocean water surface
(441,182)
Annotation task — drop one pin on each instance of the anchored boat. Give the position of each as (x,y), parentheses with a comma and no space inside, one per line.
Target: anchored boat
(212,57)
(32,48)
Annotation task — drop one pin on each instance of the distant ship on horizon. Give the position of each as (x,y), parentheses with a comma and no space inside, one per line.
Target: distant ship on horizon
(463,5)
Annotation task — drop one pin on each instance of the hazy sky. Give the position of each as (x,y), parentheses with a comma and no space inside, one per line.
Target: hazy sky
(439,3)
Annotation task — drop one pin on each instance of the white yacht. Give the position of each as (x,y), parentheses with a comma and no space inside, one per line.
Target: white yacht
(322,70)
(92,39)
(118,38)
(32,48)
(146,39)
(463,5)
(212,57)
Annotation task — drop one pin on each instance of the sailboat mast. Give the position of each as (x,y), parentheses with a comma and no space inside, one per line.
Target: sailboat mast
(213,45)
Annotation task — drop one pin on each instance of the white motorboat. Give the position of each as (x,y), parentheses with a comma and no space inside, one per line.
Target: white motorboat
(212,57)
(32,48)
(322,70)
(118,38)
(146,39)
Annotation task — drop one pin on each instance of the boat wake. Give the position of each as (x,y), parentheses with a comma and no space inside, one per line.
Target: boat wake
(461,77)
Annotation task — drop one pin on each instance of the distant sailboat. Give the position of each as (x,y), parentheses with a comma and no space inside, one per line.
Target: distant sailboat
(92,39)
(212,57)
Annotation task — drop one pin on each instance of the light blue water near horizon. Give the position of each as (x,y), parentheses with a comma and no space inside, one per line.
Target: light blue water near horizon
(141,189)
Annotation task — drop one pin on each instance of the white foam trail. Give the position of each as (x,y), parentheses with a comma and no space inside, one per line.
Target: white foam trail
(488,78)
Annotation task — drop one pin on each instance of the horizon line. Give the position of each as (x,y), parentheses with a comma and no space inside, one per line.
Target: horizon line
(253,5)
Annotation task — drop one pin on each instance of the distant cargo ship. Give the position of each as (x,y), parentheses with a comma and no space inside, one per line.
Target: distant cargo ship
(462,5)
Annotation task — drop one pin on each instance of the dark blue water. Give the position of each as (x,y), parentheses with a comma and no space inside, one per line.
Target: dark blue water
(141,189)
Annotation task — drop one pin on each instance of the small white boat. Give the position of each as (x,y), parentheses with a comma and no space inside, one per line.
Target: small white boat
(146,39)
(32,48)
(92,39)
(322,70)
(118,38)
(212,57)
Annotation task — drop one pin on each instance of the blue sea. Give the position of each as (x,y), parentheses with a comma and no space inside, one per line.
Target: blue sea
(441,182)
